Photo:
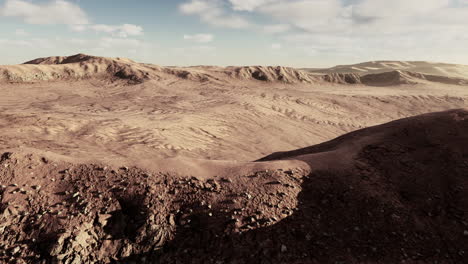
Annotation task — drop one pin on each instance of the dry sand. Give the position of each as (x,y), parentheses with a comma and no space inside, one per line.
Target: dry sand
(197,112)
(108,160)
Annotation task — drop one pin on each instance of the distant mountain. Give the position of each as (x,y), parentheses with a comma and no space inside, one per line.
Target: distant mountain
(424,67)
(82,66)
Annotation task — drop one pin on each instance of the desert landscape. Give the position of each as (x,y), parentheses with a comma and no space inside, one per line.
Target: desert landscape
(108,160)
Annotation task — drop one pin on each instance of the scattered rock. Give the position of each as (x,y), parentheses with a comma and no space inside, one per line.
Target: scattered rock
(284,249)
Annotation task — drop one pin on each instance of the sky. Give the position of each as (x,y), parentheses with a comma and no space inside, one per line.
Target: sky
(297,33)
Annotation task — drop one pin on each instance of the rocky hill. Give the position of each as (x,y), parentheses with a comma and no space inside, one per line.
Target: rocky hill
(83,67)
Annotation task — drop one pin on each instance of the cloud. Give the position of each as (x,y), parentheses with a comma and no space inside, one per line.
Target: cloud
(354,28)
(63,12)
(78,28)
(119,43)
(53,12)
(276,46)
(200,38)
(122,31)
(39,43)
(397,8)
(309,15)
(196,7)
(21,32)
(195,49)
(248,5)
(276,28)
(213,13)
(109,46)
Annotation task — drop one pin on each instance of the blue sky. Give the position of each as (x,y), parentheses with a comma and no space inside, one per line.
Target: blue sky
(299,33)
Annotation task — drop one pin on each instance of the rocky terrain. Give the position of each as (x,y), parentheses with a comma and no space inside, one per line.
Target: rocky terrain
(396,194)
(107,160)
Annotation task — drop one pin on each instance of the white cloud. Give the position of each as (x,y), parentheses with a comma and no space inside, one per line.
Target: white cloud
(310,15)
(196,7)
(122,31)
(351,28)
(196,49)
(397,8)
(276,46)
(76,41)
(53,12)
(63,12)
(103,28)
(200,38)
(110,46)
(40,43)
(248,5)
(78,28)
(119,43)
(276,28)
(212,12)
(21,32)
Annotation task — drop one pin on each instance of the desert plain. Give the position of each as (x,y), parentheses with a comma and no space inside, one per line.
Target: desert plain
(108,160)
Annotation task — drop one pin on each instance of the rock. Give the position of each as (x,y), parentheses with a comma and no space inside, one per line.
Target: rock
(76,259)
(284,249)
(15,250)
(274,182)
(172,220)
(465,233)
(56,248)
(282,194)
(103,219)
(82,239)
(126,251)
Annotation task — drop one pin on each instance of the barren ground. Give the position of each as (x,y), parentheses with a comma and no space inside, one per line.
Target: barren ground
(111,161)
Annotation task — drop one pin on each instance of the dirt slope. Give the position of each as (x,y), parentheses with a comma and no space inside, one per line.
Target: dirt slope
(387,194)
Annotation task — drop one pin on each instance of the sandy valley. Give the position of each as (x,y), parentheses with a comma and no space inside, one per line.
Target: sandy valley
(107,160)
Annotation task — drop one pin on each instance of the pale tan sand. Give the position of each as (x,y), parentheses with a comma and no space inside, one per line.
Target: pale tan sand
(87,108)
